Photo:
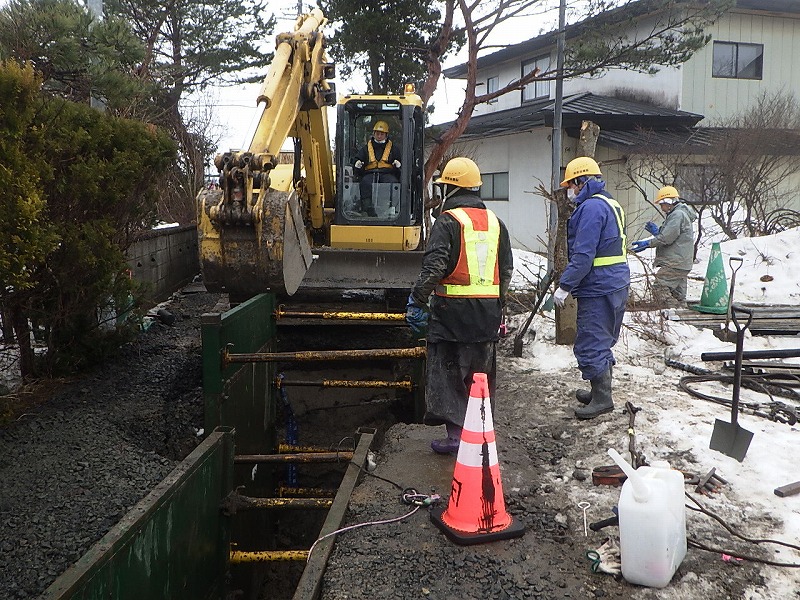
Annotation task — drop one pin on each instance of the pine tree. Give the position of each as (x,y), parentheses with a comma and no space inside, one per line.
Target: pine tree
(384,42)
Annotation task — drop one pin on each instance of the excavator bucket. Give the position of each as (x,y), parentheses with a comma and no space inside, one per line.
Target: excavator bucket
(270,254)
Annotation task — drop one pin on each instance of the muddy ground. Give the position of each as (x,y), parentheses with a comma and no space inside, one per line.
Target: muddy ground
(546,457)
(72,465)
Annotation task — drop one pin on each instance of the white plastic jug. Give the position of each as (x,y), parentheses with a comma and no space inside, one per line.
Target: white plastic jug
(652,522)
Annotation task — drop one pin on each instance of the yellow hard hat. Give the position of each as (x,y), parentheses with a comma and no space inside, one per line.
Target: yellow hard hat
(666,194)
(583,165)
(462,172)
(381,126)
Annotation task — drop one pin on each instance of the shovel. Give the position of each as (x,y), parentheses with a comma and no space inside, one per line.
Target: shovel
(726,335)
(544,286)
(729,438)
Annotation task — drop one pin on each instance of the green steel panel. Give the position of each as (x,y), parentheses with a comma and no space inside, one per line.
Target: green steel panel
(173,544)
(241,396)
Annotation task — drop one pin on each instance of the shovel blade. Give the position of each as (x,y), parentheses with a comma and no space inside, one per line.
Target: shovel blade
(730,439)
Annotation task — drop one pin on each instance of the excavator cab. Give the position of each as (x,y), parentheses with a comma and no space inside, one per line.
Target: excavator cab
(381,208)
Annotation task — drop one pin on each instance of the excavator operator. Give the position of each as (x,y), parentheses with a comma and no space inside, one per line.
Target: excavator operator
(378,161)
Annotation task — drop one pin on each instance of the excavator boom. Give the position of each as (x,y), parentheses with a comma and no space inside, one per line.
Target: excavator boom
(276,227)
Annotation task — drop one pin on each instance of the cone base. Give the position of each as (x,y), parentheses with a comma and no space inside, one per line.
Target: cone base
(514,529)
(714,310)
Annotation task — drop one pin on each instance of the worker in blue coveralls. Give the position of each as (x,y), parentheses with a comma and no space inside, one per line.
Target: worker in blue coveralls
(598,277)
(457,300)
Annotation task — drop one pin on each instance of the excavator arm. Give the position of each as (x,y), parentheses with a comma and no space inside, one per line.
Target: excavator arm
(254,232)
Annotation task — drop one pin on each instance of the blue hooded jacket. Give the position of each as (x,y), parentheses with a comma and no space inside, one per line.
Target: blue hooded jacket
(592,231)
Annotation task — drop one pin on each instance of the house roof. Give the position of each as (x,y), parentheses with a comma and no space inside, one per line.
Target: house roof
(691,140)
(609,113)
(776,6)
(643,7)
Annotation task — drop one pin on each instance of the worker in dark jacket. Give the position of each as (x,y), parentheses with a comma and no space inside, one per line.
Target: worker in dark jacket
(598,277)
(466,271)
(674,244)
(378,161)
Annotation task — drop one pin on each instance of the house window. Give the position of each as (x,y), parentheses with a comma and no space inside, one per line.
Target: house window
(738,61)
(492,85)
(494,186)
(536,89)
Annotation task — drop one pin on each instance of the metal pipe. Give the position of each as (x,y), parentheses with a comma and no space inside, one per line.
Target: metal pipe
(250,503)
(779,353)
(294,448)
(406,385)
(297,492)
(240,557)
(316,457)
(280,313)
(308,355)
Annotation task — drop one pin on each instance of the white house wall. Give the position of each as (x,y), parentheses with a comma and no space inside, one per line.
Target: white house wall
(661,89)
(506,72)
(719,98)
(525,156)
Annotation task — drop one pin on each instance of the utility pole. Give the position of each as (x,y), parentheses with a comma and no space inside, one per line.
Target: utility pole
(555,138)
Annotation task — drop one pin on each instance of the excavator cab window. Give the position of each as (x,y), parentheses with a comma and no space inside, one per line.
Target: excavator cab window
(374,172)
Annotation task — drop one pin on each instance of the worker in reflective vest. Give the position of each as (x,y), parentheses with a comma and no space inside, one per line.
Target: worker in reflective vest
(458,298)
(598,277)
(378,161)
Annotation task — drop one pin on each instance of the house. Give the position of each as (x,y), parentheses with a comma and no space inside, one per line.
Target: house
(680,110)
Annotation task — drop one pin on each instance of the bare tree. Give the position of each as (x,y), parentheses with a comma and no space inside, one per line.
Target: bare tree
(743,173)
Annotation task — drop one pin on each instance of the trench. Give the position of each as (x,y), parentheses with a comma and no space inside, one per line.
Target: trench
(326,418)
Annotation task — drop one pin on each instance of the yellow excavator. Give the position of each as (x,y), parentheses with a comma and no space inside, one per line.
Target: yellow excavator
(278,228)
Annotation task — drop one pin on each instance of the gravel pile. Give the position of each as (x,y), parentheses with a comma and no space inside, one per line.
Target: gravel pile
(71,468)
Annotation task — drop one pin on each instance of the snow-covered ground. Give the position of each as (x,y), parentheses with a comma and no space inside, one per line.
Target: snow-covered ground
(675,424)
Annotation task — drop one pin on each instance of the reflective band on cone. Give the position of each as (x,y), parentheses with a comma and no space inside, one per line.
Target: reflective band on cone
(476,511)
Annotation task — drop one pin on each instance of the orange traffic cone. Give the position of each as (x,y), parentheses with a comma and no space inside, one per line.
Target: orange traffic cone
(476,511)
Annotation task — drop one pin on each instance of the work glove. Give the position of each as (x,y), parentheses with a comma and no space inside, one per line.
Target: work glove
(560,297)
(652,228)
(640,245)
(606,559)
(396,164)
(417,317)
(358,164)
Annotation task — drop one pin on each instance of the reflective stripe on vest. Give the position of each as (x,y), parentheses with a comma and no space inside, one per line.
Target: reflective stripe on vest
(373,163)
(477,273)
(619,214)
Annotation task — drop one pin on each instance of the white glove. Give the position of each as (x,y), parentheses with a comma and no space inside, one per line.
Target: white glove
(560,297)
(396,164)
(609,557)
(358,164)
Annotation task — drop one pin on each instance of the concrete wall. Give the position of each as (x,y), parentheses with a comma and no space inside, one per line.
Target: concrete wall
(165,259)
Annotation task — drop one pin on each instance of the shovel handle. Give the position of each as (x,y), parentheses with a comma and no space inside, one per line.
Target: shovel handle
(737,373)
(731,260)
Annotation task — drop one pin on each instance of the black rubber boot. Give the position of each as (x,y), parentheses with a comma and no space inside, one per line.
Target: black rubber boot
(600,402)
(585,396)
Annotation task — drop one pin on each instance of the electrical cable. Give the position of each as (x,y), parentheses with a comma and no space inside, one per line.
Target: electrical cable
(700,546)
(408,496)
(774,411)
